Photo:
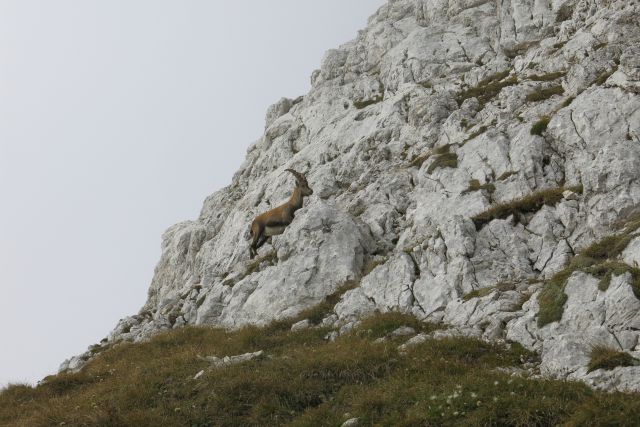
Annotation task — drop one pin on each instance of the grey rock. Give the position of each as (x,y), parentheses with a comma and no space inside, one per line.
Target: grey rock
(403,331)
(351,422)
(301,325)
(219,362)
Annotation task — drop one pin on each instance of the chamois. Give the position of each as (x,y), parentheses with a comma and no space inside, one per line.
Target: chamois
(274,222)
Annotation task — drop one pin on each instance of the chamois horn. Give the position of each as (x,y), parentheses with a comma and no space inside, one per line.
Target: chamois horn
(299,177)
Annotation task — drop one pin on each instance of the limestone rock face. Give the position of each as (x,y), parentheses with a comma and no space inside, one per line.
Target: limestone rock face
(437,112)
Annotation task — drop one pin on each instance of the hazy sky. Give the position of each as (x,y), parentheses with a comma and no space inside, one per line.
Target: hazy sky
(117,119)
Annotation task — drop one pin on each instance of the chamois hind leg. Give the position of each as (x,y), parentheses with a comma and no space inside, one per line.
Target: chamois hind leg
(261,241)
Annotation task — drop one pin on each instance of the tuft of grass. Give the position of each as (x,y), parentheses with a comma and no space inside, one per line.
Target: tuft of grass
(488,88)
(551,301)
(548,77)
(308,381)
(606,270)
(271,258)
(449,160)
(418,161)
(531,203)
(506,175)
(483,292)
(318,312)
(540,126)
(480,131)
(602,78)
(369,266)
(474,185)
(544,94)
(568,101)
(446,160)
(603,357)
(363,104)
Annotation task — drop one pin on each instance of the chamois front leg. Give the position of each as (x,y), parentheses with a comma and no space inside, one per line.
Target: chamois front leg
(257,233)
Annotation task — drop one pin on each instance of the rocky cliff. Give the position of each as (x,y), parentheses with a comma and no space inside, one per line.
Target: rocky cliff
(474,162)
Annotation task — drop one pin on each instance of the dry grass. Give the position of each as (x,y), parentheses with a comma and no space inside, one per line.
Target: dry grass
(489,88)
(419,160)
(603,357)
(483,292)
(474,185)
(540,126)
(363,104)
(602,78)
(480,131)
(531,203)
(307,381)
(447,160)
(548,77)
(545,93)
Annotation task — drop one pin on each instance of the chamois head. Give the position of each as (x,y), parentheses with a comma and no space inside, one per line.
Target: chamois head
(301,183)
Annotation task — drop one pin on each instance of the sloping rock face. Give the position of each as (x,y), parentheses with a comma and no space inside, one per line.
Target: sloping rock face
(437,112)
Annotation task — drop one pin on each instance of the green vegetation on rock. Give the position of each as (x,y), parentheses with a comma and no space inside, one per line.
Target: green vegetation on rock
(530,203)
(488,88)
(603,357)
(545,93)
(598,260)
(540,126)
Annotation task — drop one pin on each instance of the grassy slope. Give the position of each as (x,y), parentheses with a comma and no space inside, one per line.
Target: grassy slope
(306,381)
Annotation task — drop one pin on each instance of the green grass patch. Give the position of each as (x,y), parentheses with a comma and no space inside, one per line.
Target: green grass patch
(551,301)
(531,203)
(602,78)
(568,101)
(363,104)
(483,292)
(369,266)
(447,160)
(545,93)
(480,131)
(318,312)
(540,126)
(307,381)
(488,88)
(603,357)
(548,77)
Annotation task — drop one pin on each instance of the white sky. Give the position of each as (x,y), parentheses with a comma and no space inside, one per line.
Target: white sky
(117,119)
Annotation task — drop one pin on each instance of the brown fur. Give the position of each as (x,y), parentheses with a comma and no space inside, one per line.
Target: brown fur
(275,220)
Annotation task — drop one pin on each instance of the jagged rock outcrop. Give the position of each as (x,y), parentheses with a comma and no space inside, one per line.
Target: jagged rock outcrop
(412,134)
